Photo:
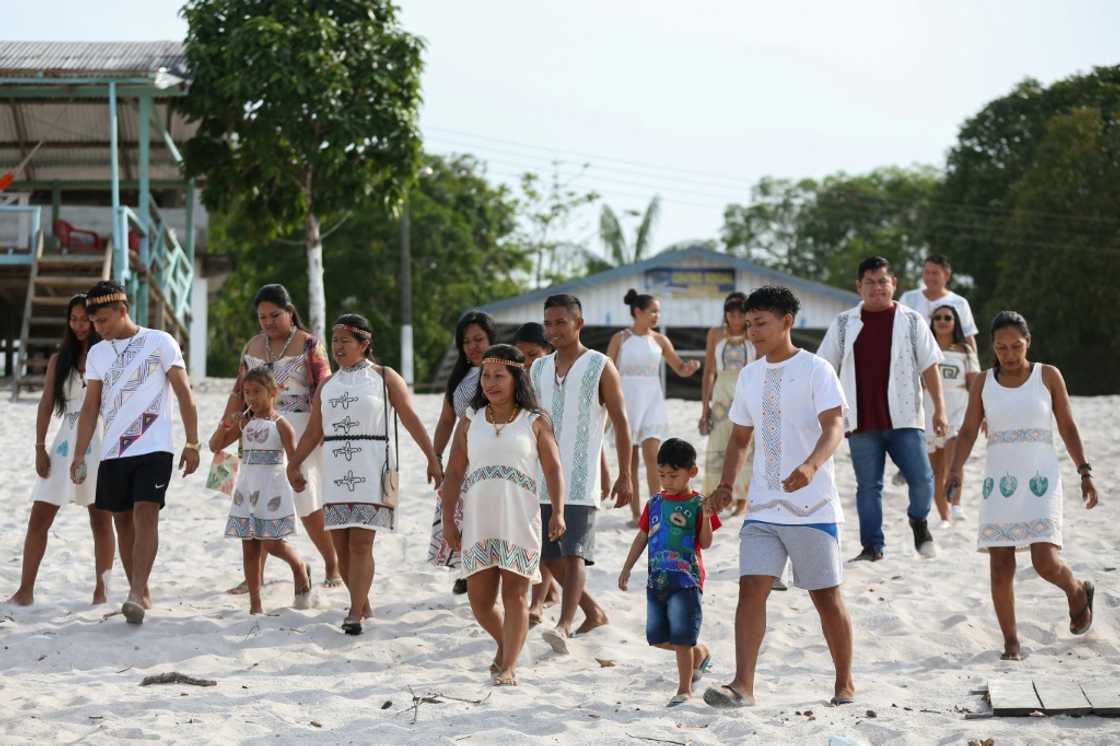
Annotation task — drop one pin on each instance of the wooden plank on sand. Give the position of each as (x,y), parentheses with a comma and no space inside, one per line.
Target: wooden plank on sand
(1061,697)
(1013,697)
(1103,695)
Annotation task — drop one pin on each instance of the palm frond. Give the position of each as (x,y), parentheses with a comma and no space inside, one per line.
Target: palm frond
(610,233)
(644,236)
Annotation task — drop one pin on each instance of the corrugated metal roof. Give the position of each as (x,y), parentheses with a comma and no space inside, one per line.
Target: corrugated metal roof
(103,58)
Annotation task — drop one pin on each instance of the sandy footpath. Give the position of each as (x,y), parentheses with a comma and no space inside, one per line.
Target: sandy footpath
(925,633)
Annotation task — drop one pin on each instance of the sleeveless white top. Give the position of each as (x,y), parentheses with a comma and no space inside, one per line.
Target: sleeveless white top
(640,357)
(57,489)
(1022,487)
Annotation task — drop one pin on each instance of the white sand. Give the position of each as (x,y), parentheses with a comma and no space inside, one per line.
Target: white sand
(925,634)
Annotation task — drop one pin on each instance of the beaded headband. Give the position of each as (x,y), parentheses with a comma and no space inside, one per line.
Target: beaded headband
(117,297)
(501,361)
(360,333)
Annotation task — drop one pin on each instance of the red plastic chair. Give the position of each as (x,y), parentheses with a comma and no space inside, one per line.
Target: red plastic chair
(78,239)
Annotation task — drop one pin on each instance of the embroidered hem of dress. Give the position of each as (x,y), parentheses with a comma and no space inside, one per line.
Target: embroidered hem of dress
(249,527)
(359,515)
(501,554)
(1020,436)
(1020,534)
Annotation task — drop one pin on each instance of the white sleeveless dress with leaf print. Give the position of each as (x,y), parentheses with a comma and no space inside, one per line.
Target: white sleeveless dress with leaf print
(1021,501)
(263,502)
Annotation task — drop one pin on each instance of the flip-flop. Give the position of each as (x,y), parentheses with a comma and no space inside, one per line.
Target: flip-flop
(535,619)
(556,641)
(352,626)
(240,589)
(1011,656)
(1089,591)
(133,612)
(703,668)
(724,697)
(678,700)
(335,582)
(840,701)
(505,681)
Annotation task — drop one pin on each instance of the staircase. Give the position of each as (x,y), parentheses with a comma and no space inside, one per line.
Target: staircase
(55,278)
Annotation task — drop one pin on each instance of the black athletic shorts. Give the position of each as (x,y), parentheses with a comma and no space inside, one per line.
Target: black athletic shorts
(123,482)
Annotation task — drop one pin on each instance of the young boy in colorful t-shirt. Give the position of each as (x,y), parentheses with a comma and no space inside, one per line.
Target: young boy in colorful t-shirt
(676,527)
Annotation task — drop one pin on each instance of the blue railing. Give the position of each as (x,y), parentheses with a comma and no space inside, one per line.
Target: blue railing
(161,256)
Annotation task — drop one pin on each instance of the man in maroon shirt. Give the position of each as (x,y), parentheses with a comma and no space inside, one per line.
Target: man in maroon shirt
(884,352)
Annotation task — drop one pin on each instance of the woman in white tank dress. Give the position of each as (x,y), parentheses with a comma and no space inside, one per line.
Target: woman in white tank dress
(1021,493)
(354,418)
(726,353)
(500,445)
(64,391)
(637,352)
(960,370)
(299,365)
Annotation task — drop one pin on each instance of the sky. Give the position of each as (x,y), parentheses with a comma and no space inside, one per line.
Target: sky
(690,101)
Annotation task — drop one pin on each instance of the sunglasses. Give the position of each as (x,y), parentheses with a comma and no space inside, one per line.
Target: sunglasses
(943,317)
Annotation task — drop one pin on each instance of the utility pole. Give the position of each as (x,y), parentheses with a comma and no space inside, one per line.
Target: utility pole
(406,295)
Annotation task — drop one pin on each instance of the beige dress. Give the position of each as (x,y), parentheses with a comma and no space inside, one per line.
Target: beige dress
(732,355)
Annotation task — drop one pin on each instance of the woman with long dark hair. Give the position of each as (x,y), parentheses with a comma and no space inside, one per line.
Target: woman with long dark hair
(353,418)
(474,334)
(63,393)
(299,366)
(959,370)
(1021,495)
(501,444)
(726,353)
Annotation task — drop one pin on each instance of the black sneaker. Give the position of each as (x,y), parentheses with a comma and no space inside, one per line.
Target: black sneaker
(460,587)
(923,541)
(867,555)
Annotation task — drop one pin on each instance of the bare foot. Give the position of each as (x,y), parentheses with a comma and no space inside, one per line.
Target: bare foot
(552,597)
(591,622)
(255,609)
(99,596)
(147,602)
(367,613)
(535,618)
(20,598)
(1011,651)
(843,694)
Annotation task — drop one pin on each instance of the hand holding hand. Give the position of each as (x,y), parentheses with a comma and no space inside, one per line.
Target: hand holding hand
(435,473)
(296,479)
(718,500)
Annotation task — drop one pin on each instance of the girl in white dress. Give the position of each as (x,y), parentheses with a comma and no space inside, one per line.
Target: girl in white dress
(637,352)
(960,370)
(350,418)
(726,353)
(1021,495)
(263,511)
(474,334)
(64,390)
(299,365)
(498,446)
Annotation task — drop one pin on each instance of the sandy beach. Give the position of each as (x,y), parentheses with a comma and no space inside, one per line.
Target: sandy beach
(925,632)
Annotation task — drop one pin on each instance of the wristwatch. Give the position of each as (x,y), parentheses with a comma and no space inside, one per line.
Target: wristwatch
(193,446)
(1085,469)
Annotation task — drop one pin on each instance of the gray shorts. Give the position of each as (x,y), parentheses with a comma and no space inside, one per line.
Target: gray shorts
(814,554)
(579,534)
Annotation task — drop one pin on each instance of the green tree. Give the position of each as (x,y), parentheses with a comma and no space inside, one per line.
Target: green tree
(305,109)
(1060,250)
(547,211)
(618,250)
(464,253)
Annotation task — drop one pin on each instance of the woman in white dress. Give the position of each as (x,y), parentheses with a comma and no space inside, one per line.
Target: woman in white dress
(474,334)
(960,369)
(64,390)
(637,353)
(350,419)
(1021,505)
(299,364)
(499,445)
(726,353)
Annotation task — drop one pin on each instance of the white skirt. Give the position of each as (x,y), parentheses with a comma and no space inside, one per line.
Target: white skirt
(57,488)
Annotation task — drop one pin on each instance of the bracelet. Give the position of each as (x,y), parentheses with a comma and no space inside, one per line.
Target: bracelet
(724,486)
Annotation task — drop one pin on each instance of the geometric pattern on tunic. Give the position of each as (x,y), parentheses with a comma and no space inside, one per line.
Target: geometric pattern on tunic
(136,378)
(772,427)
(364,515)
(1028,435)
(588,390)
(1017,531)
(500,553)
(500,471)
(141,424)
(248,527)
(791,507)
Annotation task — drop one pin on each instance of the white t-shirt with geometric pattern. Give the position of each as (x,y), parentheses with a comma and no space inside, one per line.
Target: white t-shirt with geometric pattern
(135,392)
(782,402)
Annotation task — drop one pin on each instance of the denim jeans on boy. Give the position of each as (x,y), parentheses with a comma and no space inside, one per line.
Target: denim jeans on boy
(907,448)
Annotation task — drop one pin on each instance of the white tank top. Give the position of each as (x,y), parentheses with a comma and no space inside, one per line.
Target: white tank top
(639,356)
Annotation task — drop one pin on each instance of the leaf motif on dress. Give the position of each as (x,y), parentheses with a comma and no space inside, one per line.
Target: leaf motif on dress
(238,498)
(254,497)
(1039,484)
(274,503)
(1008,484)
(989,485)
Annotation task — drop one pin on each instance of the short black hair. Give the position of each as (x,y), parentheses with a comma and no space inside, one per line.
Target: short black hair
(564,300)
(940,260)
(774,298)
(532,333)
(102,289)
(677,454)
(872,264)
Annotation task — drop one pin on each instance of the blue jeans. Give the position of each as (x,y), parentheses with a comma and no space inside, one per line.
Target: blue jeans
(673,617)
(907,448)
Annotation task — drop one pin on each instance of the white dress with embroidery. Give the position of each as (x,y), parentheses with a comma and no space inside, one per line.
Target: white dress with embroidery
(1022,487)
(354,447)
(263,504)
(501,517)
(639,364)
(57,489)
(294,404)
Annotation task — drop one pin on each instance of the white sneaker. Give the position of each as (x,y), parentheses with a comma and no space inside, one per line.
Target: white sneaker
(945,524)
(928,550)
(957,512)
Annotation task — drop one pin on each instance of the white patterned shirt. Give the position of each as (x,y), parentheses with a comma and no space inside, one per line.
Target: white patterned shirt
(135,393)
(783,402)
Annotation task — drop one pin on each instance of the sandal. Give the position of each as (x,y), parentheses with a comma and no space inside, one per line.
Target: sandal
(535,619)
(510,680)
(1089,591)
(840,701)
(703,668)
(724,697)
(335,582)
(352,626)
(678,700)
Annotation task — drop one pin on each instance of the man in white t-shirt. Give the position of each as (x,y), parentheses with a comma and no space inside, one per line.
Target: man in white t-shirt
(795,404)
(935,276)
(129,375)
